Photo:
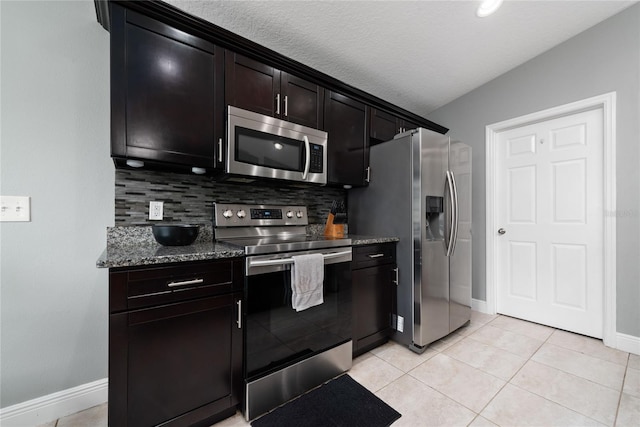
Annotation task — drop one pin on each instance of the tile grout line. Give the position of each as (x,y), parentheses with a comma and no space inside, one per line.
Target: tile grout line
(585,352)
(624,379)
(559,404)
(569,373)
(427,385)
(477,414)
(581,377)
(508,382)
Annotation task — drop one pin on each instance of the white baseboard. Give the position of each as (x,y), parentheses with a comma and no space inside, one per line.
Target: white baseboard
(479,305)
(628,343)
(55,405)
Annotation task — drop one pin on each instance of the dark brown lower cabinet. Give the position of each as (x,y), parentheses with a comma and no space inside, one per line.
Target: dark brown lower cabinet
(177,363)
(374,292)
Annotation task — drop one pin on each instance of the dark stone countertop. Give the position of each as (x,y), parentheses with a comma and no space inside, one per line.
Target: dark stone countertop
(135,246)
(154,253)
(357,240)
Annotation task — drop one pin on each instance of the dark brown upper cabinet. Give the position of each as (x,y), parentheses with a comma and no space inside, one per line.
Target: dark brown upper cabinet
(348,145)
(384,126)
(257,87)
(167,104)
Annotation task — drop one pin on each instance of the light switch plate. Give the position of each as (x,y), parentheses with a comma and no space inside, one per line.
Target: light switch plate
(15,208)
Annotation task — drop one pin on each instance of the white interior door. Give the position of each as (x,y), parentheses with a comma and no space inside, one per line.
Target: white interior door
(550,216)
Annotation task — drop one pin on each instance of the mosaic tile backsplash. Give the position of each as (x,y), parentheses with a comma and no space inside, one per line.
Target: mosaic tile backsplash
(190,198)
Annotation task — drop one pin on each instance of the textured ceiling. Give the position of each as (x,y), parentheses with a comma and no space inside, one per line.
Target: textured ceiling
(418,55)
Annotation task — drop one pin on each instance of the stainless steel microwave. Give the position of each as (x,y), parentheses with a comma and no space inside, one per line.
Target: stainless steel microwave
(263,146)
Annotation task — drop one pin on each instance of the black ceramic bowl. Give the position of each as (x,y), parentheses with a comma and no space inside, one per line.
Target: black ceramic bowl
(175,234)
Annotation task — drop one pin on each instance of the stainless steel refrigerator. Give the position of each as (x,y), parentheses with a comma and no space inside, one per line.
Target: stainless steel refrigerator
(420,191)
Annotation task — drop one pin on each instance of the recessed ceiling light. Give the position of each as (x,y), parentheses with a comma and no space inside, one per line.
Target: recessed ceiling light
(487,7)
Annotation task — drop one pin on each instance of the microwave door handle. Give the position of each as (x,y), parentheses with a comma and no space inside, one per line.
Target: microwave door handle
(307,160)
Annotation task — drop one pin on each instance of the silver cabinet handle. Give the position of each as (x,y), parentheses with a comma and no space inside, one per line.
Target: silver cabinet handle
(220,150)
(368,178)
(185,283)
(286,105)
(397,280)
(501,231)
(239,321)
(375,255)
(307,157)
(278,104)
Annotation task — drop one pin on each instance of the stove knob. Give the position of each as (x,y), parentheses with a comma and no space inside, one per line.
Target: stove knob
(241,213)
(289,214)
(299,214)
(227,214)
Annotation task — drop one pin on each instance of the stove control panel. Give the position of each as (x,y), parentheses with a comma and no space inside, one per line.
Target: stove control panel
(236,215)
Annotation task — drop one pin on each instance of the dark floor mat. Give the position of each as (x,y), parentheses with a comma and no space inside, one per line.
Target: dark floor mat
(340,402)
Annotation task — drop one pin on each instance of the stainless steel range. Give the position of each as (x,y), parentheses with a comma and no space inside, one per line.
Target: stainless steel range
(287,352)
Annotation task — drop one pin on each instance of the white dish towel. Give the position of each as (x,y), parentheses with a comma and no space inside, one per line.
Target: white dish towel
(307,277)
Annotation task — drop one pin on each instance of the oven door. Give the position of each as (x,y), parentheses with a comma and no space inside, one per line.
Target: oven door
(276,335)
(263,146)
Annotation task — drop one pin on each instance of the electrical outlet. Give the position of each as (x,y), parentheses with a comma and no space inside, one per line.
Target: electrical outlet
(155,210)
(15,208)
(400,327)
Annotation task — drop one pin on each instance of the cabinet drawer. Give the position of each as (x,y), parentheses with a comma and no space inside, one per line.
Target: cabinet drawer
(161,285)
(372,255)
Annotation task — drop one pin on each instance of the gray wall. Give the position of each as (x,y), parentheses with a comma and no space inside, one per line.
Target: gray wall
(55,148)
(602,59)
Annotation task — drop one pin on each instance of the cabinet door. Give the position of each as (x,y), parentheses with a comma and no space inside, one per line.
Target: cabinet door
(384,126)
(180,362)
(251,85)
(345,120)
(302,101)
(373,299)
(166,94)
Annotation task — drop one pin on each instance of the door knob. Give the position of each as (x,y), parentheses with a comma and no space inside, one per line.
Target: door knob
(502,231)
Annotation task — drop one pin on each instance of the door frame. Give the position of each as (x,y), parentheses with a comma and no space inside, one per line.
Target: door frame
(607,103)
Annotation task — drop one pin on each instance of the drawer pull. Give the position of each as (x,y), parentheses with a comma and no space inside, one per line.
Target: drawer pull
(185,282)
(375,255)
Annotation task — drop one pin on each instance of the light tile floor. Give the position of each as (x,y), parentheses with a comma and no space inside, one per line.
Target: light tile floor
(496,371)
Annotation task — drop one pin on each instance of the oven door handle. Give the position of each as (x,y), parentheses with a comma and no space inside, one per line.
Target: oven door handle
(284,261)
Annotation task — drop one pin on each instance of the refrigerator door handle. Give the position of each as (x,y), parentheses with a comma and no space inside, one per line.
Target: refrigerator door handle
(449,241)
(456,214)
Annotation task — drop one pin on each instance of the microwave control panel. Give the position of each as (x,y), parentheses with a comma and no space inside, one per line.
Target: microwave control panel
(317,152)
